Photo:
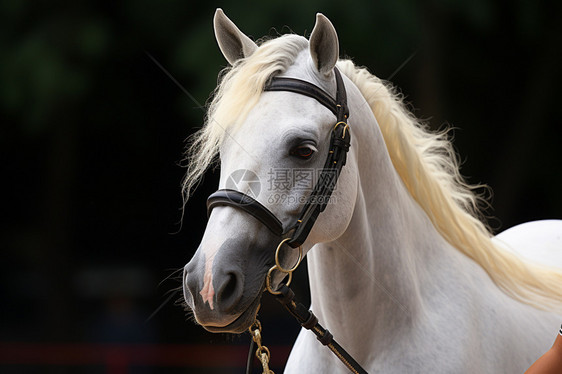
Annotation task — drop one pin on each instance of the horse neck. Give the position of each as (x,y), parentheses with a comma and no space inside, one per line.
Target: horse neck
(368,283)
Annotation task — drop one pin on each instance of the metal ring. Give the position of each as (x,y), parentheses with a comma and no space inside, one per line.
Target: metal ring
(281,268)
(268,281)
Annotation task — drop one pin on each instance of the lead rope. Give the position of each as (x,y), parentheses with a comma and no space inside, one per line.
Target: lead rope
(302,314)
(309,321)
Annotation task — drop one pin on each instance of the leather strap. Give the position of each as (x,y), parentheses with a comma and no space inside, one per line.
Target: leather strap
(309,321)
(303,88)
(236,199)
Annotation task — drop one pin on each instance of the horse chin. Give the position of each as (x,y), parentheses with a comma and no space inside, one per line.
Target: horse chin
(241,323)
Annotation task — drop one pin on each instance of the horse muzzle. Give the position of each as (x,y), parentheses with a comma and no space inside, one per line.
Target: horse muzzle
(223,287)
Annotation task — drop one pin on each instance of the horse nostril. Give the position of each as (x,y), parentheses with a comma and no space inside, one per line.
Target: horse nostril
(230,286)
(230,291)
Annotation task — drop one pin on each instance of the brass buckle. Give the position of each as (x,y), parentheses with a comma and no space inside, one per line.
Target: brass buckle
(346,126)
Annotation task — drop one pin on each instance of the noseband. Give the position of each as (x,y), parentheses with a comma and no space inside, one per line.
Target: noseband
(318,200)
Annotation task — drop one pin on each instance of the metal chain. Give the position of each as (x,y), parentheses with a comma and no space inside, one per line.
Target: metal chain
(262,352)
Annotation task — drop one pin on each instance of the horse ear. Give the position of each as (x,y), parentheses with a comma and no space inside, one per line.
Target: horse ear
(233,43)
(324,45)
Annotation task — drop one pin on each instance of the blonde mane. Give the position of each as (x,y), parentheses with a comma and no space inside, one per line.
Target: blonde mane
(425,161)
(237,93)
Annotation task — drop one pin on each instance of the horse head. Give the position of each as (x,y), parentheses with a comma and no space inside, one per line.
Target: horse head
(272,147)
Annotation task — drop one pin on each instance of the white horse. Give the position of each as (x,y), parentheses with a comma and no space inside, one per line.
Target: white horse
(401,271)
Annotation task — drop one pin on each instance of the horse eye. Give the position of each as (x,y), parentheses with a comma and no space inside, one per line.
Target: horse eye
(303,151)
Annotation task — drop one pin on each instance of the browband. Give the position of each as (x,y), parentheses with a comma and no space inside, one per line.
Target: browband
(303,88)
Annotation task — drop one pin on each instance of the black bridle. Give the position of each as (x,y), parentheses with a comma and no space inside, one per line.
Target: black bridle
(320,196)
(340,140)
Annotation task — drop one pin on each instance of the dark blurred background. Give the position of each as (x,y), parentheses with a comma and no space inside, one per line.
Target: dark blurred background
(93,131)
